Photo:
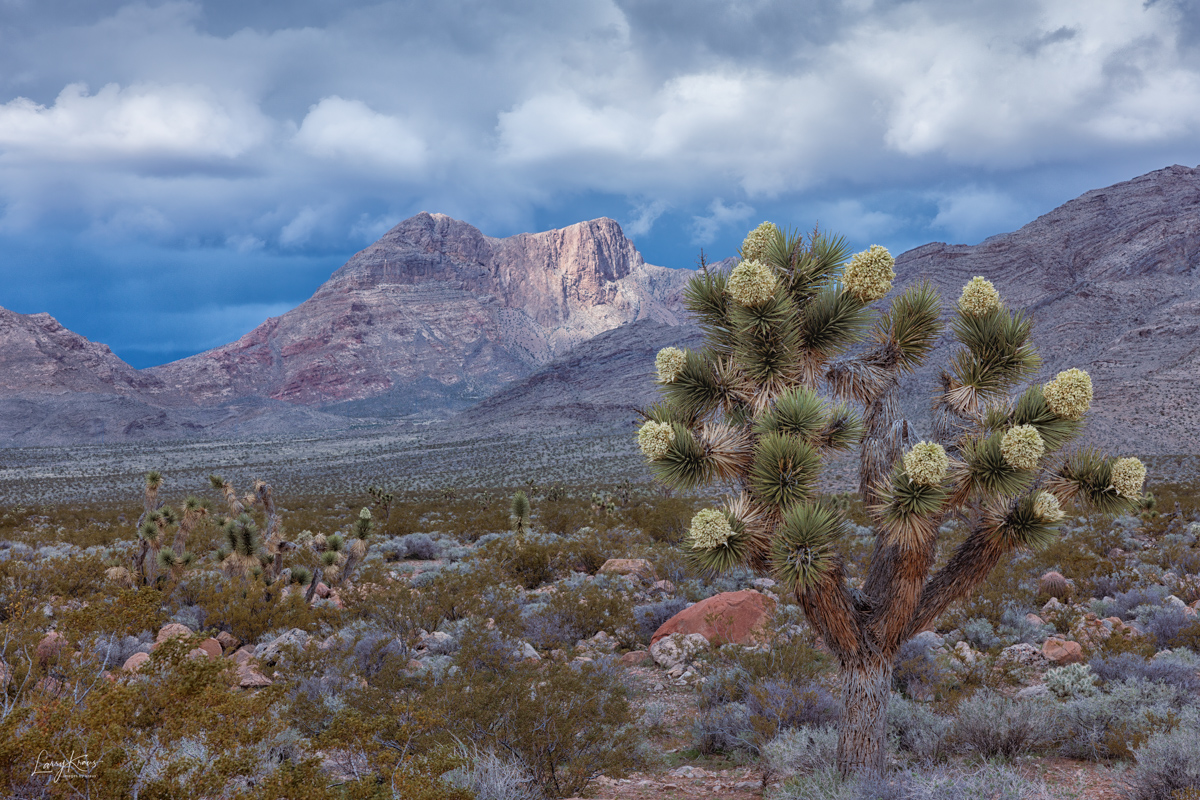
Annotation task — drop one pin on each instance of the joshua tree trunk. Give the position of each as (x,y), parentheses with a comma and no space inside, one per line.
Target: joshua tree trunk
(862,733)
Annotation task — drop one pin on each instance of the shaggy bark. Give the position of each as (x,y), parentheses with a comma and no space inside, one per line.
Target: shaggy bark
(862,734)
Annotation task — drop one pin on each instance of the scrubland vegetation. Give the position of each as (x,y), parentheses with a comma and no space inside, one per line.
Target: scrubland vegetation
(456,657)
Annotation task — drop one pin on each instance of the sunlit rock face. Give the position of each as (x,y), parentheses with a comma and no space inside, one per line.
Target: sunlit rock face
(437,313)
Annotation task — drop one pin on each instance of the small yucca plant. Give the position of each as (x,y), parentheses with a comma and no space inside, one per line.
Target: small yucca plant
(799,367)
(520,512)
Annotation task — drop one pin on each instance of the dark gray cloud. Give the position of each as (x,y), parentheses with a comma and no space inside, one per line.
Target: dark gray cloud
(244,150)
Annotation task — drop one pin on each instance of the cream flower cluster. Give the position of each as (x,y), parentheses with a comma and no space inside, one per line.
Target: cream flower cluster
(869,274)
(926,463)
(979,297)
(751,283)
(1128,476)
(710,529)
(1022,446)
(754,246)
(1070,393)
(655,439)
(669,362)
(1046,506)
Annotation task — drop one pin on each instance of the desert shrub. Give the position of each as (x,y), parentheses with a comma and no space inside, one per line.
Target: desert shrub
(777,703)
(991,781)
(1178,670)
(664,519)
(113,650)
(126,612)
(565,723)
(489,776)
(1110,724)
(980,634)
(1168,764)
(793,659)
(800,750)
(916,669)
(584,552)
(571,614)
(649,617)
(1122,604)
(248,607)
(723,729)
(376,652)
(1188,638)
(991,724)
(420,546)
(526,559)
(563,516)
(192,616)
(1014,628)
(1070,681)
(915,729)
(724,685)
(1165,623)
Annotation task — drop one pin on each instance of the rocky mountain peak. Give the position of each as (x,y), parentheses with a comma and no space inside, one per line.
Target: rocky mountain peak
(436,314)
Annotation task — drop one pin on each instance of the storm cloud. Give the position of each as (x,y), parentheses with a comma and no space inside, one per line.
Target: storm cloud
(171,171)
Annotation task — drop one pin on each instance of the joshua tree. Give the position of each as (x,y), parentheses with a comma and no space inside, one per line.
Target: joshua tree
(794,318)
(242,554)
(156,525)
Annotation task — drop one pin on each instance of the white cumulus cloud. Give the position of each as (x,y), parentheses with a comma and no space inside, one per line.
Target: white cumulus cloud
(139,121)
(351,132)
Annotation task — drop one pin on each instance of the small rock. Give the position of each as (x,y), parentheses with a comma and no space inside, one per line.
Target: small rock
(631,567)
(762,584)
(1034,619)
(243,655)
(1021,656)
(664,587)
(228,641)
(270,652)
(1033,692)
(135,661)
(1062,651)
(1174,602)
(636,658)
(673,650)
(170,631)
(1052,607)
(211,648)
(527,652)
(250,678)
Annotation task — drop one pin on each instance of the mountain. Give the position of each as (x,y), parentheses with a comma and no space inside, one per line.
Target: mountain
(435,315)
(598,385)
(40,356)
(1112,281)
(556,331)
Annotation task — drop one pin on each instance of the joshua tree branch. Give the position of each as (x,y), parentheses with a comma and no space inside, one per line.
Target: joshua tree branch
(967,568)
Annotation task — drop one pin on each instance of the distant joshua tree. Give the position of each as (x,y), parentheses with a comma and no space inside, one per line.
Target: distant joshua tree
(794,319)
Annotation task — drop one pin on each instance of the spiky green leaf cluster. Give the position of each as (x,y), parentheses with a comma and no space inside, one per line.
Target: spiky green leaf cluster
(999,352)
(784,471)
(802,553)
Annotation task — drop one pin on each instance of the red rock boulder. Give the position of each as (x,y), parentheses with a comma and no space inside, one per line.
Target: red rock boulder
(729,617)
(1062,651)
